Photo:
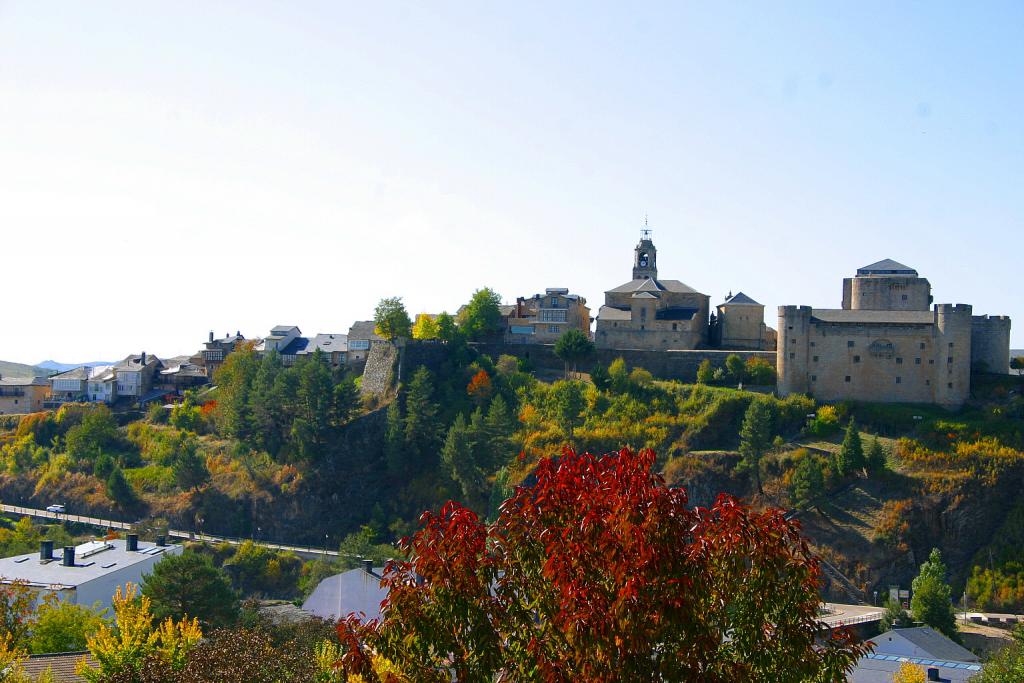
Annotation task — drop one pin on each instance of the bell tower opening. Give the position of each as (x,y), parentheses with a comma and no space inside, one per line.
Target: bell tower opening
(645,258)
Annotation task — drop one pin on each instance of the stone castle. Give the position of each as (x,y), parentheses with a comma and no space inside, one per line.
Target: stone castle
(888,343)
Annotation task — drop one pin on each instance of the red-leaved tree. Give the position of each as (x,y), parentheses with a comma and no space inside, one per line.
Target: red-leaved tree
(598,571)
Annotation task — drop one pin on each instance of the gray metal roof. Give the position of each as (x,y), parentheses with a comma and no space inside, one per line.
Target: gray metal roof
(887,267)
(839,315)
(741,298)
(88,566)
(931,643)
(328,343)
(876,668)
(652,285)
(81,372)
(350,592)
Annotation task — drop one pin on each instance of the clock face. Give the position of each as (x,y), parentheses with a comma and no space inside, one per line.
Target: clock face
(643,263)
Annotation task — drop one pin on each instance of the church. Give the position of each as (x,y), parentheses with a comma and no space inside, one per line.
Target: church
(652,314)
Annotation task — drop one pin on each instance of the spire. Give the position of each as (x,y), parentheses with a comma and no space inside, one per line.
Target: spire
(645,233)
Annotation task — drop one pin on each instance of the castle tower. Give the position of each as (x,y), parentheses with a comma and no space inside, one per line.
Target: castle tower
(645,258)
(952,354)
(791,355)
(887,286)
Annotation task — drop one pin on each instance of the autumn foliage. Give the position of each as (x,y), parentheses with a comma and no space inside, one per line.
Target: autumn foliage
(480,387)
(598,571)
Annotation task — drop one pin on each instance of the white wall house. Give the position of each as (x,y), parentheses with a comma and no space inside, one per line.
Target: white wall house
(103,384)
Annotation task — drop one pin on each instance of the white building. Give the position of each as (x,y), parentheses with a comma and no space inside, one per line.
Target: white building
(88,573)
(103,384)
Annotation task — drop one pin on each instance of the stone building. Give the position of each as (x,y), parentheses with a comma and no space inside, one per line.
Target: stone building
(23,394)
(543,318)
(651,314)
(885,344)
(739,324)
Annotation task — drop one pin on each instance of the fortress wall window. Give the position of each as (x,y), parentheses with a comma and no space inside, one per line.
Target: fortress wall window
(815,359)
(950,385)
(814,378)
(792,356)
(899,361)
(950,359)
(927,382)
(922,345)
(931,361)
(917,361)
(904,297)
(847,378)
(950,344)
(856,359)
(812,343)
(849,344)
(899,380)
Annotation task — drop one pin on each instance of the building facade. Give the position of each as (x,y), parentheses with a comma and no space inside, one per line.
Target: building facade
(543,318)
(20,395)
(739,324)
(886,344)
(216,350)
(651,314)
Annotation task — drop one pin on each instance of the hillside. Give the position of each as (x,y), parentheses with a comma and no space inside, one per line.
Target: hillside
(8,369)
(293,454)
(55,366)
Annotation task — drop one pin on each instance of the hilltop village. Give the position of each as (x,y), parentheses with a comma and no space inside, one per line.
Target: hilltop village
(887,343)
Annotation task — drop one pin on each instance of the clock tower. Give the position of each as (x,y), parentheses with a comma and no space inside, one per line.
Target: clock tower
(645,259)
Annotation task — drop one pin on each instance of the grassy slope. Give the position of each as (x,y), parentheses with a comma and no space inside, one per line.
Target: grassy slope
(8,369)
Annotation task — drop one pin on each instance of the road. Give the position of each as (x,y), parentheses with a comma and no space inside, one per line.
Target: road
(305,552)
(840,614)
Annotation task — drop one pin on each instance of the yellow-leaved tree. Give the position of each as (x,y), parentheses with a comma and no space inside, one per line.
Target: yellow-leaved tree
(125,647)
(909,673)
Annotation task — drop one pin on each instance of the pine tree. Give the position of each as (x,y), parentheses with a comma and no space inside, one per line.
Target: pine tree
(189,468)
(501,424)
(756,436)
(457,456)
(931,602)
(808,480)
(875,458)
(422,426)
(394,440)
(118,488)
(851,453)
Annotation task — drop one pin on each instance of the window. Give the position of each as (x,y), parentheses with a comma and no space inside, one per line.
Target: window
(949,359)
(899,361)
(950,344)
(815,359)
(899,380)
(548,315)
(847,378)
(927,382)
(917,361)
(922,345)
(674,327)
(931,361)
(792,340)
(856,359)
(849,344)
(812,343)
(950,385)
(790,327)
(904,297)
(554,302)
(814,378)
(792,356)
(358,344)
(643,314)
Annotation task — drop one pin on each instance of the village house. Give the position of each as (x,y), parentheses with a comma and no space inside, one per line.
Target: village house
(361,336)
(180,374)
(103,384)
(135,375)
(72,385)
(288,342)
(216,350)
(542,319)
(23,394)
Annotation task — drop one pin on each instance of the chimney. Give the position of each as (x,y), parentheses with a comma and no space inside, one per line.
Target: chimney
(933,674)
(46,549)
(131,542)
(211,335)
(368,567)
(143,357)
(69,556)
(161,541)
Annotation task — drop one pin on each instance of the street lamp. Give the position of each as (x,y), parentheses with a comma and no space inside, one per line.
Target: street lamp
(325,546)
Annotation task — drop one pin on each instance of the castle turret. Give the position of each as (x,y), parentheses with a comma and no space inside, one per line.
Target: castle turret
(791,355)
(952,354)
(990,344)
(887,286)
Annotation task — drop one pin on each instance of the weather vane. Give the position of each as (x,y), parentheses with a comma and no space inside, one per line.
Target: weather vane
(646,232)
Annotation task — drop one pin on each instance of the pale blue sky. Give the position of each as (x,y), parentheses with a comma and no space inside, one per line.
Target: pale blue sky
(167,170)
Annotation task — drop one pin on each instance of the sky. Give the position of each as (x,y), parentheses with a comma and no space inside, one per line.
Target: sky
(167,169)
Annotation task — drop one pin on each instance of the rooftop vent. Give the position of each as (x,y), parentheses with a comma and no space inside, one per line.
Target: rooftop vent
(131,542)
(69,556)
(46,550)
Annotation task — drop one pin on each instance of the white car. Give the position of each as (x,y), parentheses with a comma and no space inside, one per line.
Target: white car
(55,508)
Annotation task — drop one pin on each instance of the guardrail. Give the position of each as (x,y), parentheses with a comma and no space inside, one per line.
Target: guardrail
(307,551)
(839,622)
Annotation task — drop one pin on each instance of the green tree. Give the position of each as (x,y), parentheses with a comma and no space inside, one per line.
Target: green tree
(457,456)
(363,545)
(447,330)
(346,399)
(756,436)
(567,403)
(187,415)
(118,488)
(1005,666)
(705,372)
(61,626)
(481,317)
(851,453)
(736,368)
(103,466)
(395,454)
(599,376)
(931,602)
(500,425)
(808,480)
(234,380)
(425,327)
(894,615)
(1017,363)
(759,371)
(95,433)
(422,425)
(312,426)
(392,319)
(618,376)
(875,458)
(189,467)
(17,601)
(573,347)
(188,585)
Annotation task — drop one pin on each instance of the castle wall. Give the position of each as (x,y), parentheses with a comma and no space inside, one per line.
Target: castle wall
(652,335)
(897,363)
(990,343)
(874,293)
(678,364)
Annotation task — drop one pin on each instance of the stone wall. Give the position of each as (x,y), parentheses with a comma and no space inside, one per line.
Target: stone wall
(680,365)
(379,371)
(990,343)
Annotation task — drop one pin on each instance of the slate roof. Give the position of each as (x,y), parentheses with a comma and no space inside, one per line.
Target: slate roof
(353,591)
(858,317)
(76,373)
(328,343)
(60,664)
(104,373)
(932,644)
(363,329)
(652,285)
(25,381)
(27,566)
(643,295)
(741,298)
(134,362)
(283,330)
(887,267)
(613,313)
(879,668)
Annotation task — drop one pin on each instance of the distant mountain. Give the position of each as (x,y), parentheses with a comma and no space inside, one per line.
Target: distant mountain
(54,366)
(8,369)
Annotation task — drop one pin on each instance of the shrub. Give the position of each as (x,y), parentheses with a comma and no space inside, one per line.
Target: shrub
(759,371)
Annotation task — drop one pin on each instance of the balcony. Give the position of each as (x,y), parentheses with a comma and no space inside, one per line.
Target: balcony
(11,392)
